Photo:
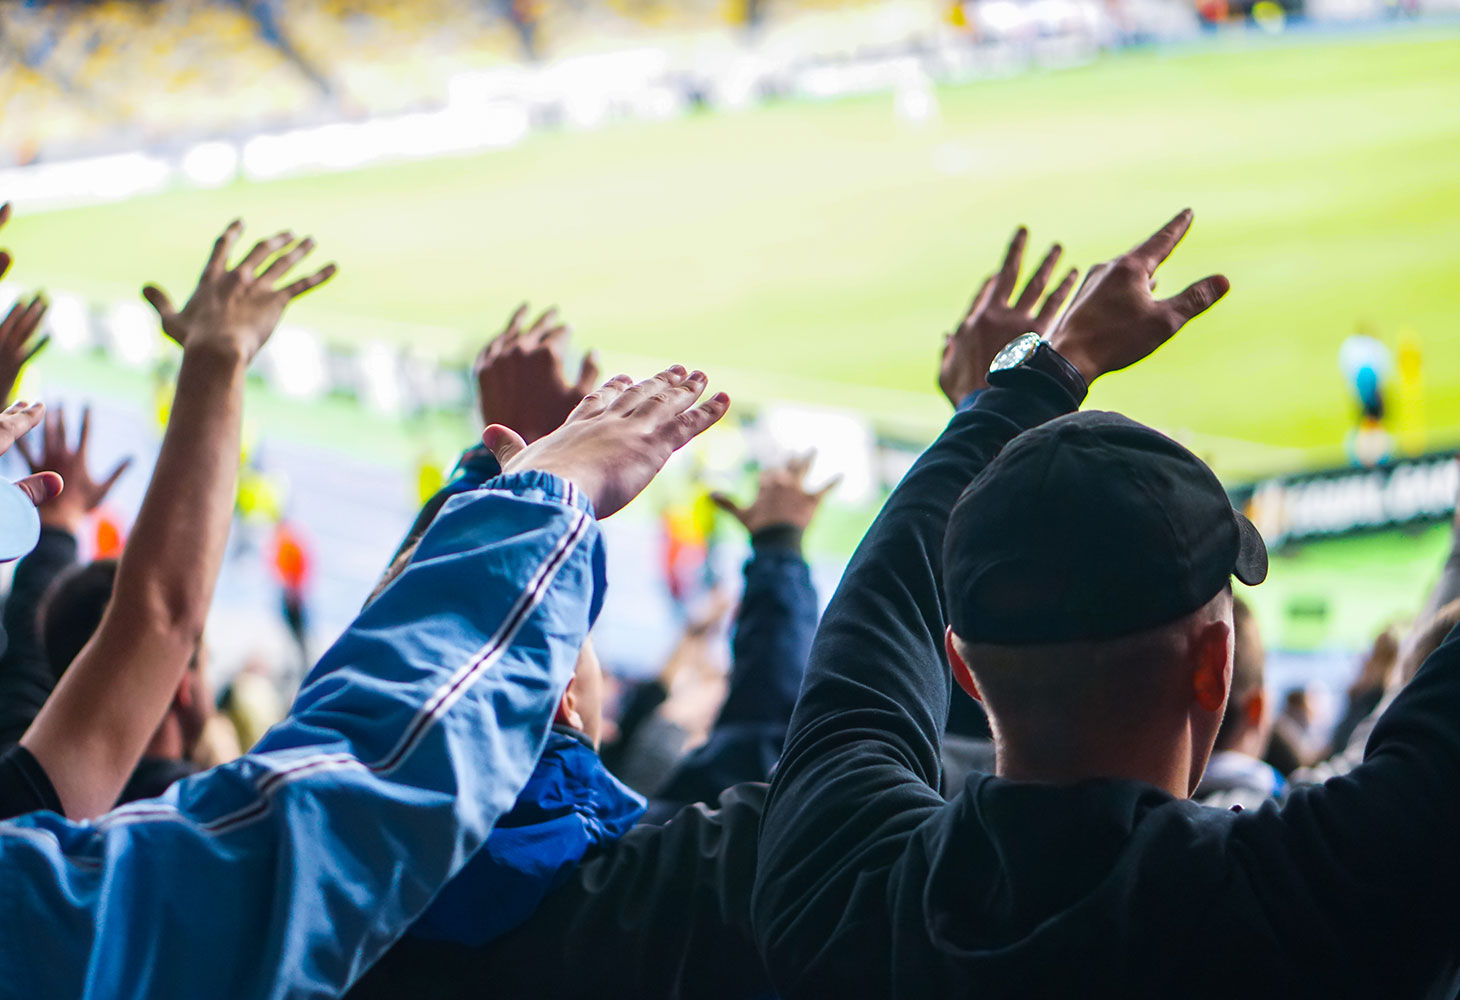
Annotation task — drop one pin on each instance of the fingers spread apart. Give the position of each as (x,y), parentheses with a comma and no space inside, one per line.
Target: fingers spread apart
(1158,245)
(1008,275)
(1051,307)
(1039,280)
(286,260)
(599,399)
(262,251)
(17,419)
(223,249)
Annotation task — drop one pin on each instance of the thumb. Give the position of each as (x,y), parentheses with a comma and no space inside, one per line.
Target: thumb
(503,442)
(158,300)
(41,487)
(836,481)
(1200,296)
(588,373)
(728,506)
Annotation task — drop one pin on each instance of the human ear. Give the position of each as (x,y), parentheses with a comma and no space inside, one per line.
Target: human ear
(961,673)
(1255,707)
(568,713)
(1210,679)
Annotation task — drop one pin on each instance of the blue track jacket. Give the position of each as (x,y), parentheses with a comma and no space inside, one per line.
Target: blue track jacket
(287,872)
(571,804)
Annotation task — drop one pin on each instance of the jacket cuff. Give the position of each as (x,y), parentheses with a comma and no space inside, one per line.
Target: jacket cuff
(477,464)
(778,538)
(541,485)
(1036,400)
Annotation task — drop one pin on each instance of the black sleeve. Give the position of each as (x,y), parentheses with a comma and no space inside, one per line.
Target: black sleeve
(638,705)
(861,763)
(1359,875)
(773,630)
(24,786)
(662,912)
(25,673)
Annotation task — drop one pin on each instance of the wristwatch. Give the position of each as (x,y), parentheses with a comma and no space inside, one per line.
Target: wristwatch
(1030,353)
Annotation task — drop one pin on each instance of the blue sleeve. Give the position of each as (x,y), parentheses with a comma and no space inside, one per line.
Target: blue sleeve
(288,871)
(773,630)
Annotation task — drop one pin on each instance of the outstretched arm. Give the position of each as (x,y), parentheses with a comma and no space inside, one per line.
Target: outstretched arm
(91,732)
(412,736)
(860,767)
(417,729)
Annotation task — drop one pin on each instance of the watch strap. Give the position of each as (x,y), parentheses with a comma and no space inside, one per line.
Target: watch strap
(1046,365)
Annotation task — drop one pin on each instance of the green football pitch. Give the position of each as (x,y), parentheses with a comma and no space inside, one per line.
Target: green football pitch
(816,252)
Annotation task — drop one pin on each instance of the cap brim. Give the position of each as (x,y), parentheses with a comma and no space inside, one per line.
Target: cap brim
(1251,567)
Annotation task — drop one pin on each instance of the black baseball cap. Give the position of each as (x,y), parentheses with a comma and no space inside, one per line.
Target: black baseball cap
(1091,526)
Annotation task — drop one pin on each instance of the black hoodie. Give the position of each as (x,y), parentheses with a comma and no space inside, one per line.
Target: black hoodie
(869,885)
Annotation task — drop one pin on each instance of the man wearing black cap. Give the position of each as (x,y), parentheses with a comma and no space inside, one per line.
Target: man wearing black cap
(1087,563)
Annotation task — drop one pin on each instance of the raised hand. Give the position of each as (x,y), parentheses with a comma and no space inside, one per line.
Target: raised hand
(1115,321)
(618,438)
(995,318)
(82,493)
(16,344)
(782,497)
(237,310)
(521,383)
(16,420)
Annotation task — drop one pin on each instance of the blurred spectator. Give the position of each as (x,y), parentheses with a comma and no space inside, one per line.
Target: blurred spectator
(1294,740)
(773,628)
(1368,688)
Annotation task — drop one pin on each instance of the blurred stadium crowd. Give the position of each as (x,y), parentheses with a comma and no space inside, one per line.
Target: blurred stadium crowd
(1028,749)
(94,76)
(79,78)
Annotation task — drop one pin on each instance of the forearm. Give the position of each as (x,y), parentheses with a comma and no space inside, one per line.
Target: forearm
(417,730)
(95,726)
(176,546)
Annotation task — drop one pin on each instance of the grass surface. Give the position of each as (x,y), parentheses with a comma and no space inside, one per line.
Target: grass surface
(816,252)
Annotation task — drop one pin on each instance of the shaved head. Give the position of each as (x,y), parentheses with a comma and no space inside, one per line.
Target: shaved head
(1057,705)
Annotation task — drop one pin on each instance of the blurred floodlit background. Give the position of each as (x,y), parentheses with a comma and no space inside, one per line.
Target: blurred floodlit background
(799,197)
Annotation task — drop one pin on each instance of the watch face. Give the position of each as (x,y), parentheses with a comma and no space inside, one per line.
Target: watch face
(1016,352)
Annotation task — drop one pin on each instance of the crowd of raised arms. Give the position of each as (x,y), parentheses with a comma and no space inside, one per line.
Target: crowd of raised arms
(1025,752)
